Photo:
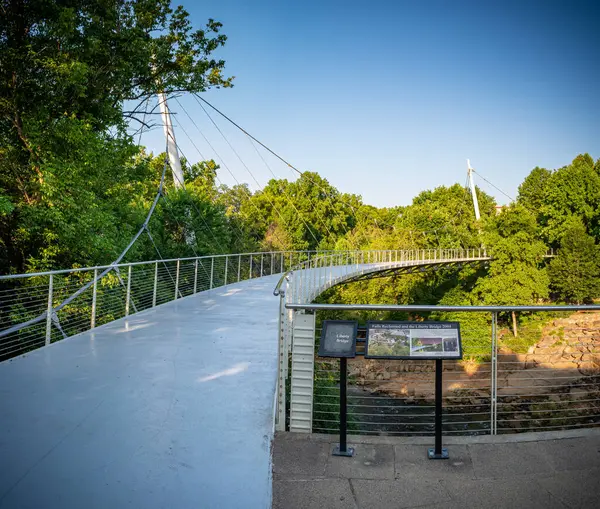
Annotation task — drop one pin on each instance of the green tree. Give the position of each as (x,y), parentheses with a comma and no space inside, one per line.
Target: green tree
(516,275)
(532,192)
(73,186)
(572,194)
(575,271)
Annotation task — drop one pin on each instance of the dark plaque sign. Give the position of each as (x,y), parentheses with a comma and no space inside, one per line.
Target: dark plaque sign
(413,340)
(338,338)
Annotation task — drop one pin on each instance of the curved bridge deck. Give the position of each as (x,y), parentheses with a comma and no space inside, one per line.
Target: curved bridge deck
(172,407)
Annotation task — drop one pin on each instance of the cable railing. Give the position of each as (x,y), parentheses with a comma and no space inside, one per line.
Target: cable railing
(552,383)
(40,308)
(311,277)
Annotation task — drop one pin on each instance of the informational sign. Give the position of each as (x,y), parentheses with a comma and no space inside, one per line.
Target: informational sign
(413,340)
(338,338)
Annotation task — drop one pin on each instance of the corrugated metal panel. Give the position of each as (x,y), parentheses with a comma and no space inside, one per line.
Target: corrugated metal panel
(302,379)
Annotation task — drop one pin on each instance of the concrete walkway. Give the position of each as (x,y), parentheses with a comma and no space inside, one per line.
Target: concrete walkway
(170,408)
(536,470)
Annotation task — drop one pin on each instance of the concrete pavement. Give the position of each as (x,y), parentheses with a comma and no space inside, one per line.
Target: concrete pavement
(535,470)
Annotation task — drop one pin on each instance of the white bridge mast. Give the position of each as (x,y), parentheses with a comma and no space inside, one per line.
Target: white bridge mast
(473,193)
(172,151)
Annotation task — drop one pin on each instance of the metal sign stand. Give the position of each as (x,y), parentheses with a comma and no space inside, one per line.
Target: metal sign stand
(342,449)
(438,453)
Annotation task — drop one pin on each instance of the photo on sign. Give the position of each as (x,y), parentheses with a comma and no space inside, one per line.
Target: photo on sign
(434,343)
(389,342)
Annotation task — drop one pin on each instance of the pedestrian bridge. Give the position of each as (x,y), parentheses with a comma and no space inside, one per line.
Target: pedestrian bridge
(174,399)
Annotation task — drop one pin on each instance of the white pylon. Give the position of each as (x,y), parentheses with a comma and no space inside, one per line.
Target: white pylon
(473,193)
(172,151)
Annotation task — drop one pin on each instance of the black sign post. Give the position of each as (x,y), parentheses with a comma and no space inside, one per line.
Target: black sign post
(338,339)
(438,453)
(342,449)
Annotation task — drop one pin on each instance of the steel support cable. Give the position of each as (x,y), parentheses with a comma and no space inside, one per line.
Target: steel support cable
(248,170)
(200,216)
(235,179)
(239,239)
(199,98)
(276,209)
(143,121)
(289,199)
(260,155)
(252,138)
(495,187)
(203,158)
(171,209)
(70,299)
(161,258)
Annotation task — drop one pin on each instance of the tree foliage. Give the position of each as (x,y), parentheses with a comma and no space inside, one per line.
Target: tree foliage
(575,272)
(73,185)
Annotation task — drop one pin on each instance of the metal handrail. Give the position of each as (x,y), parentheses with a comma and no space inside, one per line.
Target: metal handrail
(307,264)
(415,307)
(160,260)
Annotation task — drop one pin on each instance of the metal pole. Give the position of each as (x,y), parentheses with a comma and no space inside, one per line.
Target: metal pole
(226,260)
(272,259)
(261,264)
(494,376)
(239,266)
(155,284)
(250,276)
(128,295)
(282,262)
(438,453)
(49,311)
(212,271)
(196,275)
(342,449)
(94,291)
(177,281)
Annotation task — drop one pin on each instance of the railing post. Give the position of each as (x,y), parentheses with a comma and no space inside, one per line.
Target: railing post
(226,260)
(261,264)
(212,271)
(239,267)
(128,295)
(282,262)
(94,292)
(494,376)
(250,275)
(196,275)
(155,284)
(272,262)
(49,310)
(177,281)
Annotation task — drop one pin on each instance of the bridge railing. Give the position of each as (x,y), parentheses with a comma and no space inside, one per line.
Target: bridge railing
(37,309)
(502,385)
(311,277)
(304,282)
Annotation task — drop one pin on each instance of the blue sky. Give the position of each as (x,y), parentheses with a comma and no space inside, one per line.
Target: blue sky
(389,98)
